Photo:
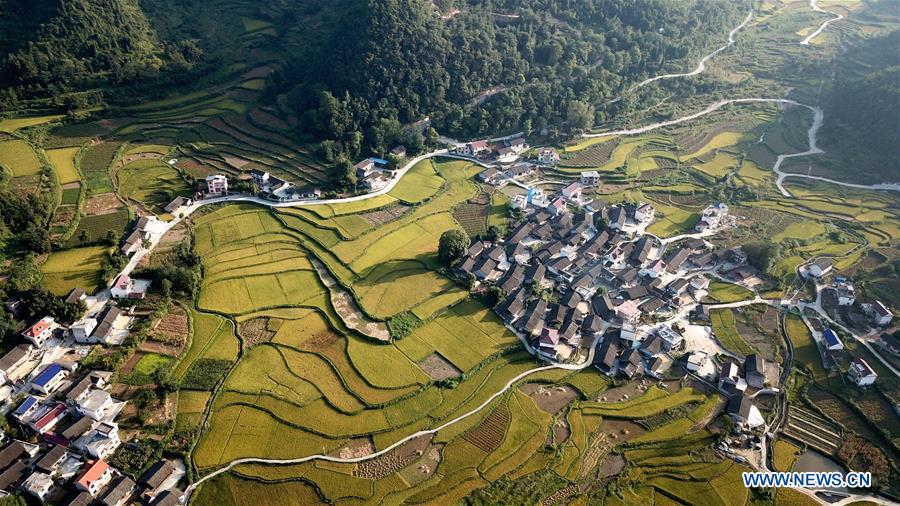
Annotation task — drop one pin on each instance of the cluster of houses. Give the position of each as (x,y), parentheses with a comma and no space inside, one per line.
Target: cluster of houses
(373,173)
(144,230)
(52,472)
(279,190)
(572,275)
(504,151)
(734,381)
(72,415)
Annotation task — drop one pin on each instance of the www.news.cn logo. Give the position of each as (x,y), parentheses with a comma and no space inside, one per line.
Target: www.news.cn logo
(808,480)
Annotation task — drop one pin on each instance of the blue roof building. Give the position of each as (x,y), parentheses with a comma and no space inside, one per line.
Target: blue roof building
(832,342)
(26,405)
(379,161)
(49,378)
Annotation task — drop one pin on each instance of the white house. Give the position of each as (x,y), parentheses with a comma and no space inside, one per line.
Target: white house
(100,442)
(216,184)
(819,268)
(82,329)
(38,485)
(846,294)
(671,339)
(126,288)
(49,379)
(95,404)
(879,313)
(12,361)
(95,475)
(573,191)
(548,156)
(696,360)
(860,373)
(644,213)
(590,178)
(41,331)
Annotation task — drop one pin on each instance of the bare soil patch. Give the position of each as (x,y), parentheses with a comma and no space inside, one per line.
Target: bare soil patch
(488,434)
(355,448)
(347,308)
(256,331)
(236,161)
(612,465)
(560,433)
(71,186)
(385,215)
(394,460)
(320,342)
(550,398)
(103,203)
(439,367)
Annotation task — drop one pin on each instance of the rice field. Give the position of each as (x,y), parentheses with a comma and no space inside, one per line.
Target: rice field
(13,124)
(18,157)
(63,162)
(73,268)
(151,183)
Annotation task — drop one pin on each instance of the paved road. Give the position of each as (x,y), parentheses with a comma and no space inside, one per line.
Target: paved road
(813,4)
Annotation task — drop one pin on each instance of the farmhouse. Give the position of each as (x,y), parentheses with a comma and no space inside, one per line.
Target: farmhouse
(154,478)
(860,373)
(41,331)
(82,329)
(590,178)
(879,313)
(105,333)
(26,409)
(755,370)
(490,176)
(178,204)
(12,361)
(548,156)
(572,191)
(38,485)
(95,475)
(399,151)
(819,268)
(644,213)
(126,288)
(216,184)
(75,296)
(101,441)
(743,412)
(48,420)
(51,460)
(474,148)
(119,492)
(49,379)
(832,341)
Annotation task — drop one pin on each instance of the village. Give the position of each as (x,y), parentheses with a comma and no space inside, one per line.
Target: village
(581,283)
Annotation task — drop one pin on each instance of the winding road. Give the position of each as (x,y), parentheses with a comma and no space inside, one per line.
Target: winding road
(814,5)
(701,66)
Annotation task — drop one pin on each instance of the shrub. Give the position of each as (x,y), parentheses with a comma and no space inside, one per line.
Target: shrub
(402,324)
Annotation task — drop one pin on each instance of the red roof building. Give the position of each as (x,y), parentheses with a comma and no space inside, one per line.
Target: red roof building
(94,477)
(49,419)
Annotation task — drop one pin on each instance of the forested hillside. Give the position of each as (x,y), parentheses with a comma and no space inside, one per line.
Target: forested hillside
(395,61)
(864,105)
(355,70)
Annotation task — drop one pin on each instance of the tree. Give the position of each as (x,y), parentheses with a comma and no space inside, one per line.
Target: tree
(165,288)
(112,238)
(84,237)
(493,295)
(760,254)
(580,115)
(452,246)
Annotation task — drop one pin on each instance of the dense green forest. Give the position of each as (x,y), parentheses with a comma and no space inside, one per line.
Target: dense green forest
(544,63)
(863,107)
(353,71)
